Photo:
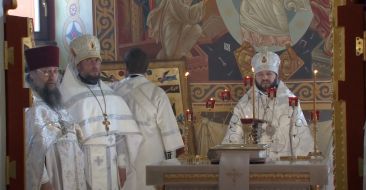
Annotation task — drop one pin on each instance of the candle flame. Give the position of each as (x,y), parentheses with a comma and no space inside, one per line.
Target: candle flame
(315,71)
(253,69)
(186,74)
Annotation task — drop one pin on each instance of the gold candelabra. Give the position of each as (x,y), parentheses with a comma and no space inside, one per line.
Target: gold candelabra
(314,118)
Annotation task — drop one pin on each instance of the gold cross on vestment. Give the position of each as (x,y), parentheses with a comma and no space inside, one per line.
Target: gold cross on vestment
(106,123)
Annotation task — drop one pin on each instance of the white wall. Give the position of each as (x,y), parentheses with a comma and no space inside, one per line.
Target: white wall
(2,102)
(64,20)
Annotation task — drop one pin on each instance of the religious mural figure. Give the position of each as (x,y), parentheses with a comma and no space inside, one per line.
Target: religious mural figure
(175,24)
(265,24)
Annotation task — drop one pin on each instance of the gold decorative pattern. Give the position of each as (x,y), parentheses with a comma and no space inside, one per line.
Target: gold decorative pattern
(201,92)
(243,56)
(279,177)
(191,177)
(104,23)
(339,114)
(289,67)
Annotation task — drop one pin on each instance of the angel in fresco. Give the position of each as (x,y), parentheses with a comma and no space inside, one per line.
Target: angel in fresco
(175,25)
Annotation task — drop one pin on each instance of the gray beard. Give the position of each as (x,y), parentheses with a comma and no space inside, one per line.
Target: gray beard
(51,96)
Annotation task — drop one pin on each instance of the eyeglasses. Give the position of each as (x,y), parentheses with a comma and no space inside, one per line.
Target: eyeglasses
(48,72)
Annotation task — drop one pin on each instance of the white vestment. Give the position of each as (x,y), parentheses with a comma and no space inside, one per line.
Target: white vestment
(105,152)
(153,112)
(279,116)
(53,152)
(175,25)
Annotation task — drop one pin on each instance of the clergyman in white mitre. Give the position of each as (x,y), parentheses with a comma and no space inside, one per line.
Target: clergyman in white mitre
(111,135)
(281,120)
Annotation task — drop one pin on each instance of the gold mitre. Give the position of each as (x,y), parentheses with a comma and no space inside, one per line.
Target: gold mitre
(266,61)
(84,47)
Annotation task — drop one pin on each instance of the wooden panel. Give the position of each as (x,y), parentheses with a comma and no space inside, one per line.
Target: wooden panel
(352,91)
(17,97)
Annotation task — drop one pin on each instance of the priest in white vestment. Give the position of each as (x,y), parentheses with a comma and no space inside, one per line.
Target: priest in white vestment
(54,159)
(153,113)
(285,129)
(111,136)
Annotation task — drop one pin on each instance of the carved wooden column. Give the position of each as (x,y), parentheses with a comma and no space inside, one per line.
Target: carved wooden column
(349,72)
(18,32)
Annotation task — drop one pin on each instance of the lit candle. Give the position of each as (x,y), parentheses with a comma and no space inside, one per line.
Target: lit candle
(314,91)
(271,92)
(293,101)
(210,104)
(186,74)
(248,81)
(246,121)
(315,113)
(189,115)
(225,95)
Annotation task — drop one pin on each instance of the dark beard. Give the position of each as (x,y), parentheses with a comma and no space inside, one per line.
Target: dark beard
(89,79)
(52,97)
(274,84)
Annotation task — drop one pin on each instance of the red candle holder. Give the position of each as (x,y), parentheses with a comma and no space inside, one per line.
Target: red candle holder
(315,115)
(248,81)
(272,92)
(225,95)
(246,121)
(293,101)
(210,104)
(189,115)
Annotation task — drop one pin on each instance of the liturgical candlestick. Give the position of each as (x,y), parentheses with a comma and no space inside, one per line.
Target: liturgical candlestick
(253,94)
(210,104)
(316,153)
(314,110)
(225,95)
(314,91)
(189,117)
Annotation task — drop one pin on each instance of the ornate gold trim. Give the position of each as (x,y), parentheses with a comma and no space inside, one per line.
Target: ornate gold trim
(280,177)
(191,177)
(254,177)
(201,92)
(104,28)
(339,114)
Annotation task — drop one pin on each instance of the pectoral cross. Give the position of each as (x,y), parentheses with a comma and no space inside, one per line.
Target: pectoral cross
(106,123)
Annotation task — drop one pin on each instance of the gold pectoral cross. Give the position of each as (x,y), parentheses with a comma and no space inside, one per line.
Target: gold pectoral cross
(106,123)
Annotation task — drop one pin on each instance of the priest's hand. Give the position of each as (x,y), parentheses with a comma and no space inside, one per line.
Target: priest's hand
(122,175)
